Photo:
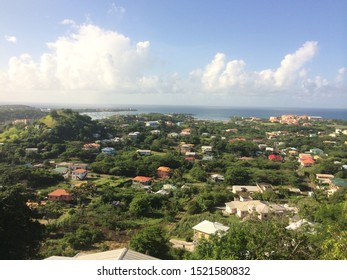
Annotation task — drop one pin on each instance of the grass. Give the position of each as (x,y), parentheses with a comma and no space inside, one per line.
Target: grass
(48,121)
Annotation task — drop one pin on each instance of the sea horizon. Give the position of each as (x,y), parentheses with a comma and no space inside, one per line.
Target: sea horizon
(203,112)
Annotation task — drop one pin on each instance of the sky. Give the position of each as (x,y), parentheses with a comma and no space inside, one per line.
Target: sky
(245,53)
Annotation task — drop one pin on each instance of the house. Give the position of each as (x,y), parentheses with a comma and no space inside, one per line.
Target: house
(79,174)
(186,132)
(133,135)
(22,121)
(162,192)
(112,255)
(63,171)
(169,187)
(206,228)
(142,182)
(91,147)
(163,172)
(190,159)
(251,189)
(317,152)
(297,225)
(144,152)
(206,149)
(155,132)
(184,148)
(153,124)
(217,178)
(60,195)
(306,160)
(108,151)
(263,187)
(32,150)
(336,184)
(261,209)
(275,157)
(75,166)
(324,178)
(191,154)
(173,135)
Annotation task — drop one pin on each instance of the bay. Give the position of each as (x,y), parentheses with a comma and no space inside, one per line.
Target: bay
(219,113)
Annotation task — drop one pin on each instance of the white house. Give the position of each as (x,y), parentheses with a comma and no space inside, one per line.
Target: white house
(206,228)
(262,208)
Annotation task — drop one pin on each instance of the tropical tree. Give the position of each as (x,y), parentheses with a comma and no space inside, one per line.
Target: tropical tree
(19,233)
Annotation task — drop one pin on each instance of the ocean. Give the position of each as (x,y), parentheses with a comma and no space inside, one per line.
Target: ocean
(217,113)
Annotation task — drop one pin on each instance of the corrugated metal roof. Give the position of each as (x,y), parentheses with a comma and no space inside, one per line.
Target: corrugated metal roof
(118,254)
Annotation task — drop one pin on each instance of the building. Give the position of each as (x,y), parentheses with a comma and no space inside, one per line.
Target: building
(108,151)
(144,152)
(206,228)
(264,187)
(217,178)
(238,189)
(306,160)
(275,157)
(186,148)
(60,195)
(163,172)
(206,149)
(324,178)
(335,184)
(63,171)
(79,174)
(142,182)
(261,209)
(112,255)
(91,147)
(153,124)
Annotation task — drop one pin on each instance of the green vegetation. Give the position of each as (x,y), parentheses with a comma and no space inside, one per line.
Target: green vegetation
(107,211)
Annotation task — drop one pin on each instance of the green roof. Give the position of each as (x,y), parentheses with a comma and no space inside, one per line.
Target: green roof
(339,182)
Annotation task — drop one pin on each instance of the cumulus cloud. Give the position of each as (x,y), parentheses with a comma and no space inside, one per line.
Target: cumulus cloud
(89,59)
(11,39)
(97,61)
(232,77)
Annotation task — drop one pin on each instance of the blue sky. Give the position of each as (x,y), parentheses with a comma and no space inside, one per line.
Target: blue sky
(221,52)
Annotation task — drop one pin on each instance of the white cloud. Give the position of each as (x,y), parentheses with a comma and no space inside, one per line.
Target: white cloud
(232,78)
(116,9)
(89,59)
(11,39)
(95,64)
(68,22)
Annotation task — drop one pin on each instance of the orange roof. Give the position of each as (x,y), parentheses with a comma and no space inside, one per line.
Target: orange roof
(304,156)
(59,192)
(80,170)
(142,178)
(308,160)
(164,168)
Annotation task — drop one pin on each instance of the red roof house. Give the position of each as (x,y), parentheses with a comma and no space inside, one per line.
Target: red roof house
(60,195)
(275,157)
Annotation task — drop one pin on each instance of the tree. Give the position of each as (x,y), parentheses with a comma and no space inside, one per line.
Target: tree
(238,175)
(151,241)
(198,173)
(140,206)
(19,233)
